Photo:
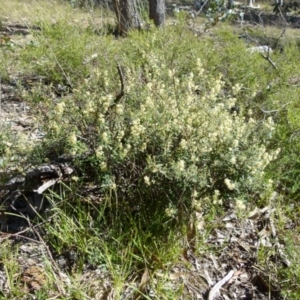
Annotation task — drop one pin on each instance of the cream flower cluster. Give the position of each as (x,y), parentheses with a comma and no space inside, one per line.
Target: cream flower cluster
(204,122)
(175,125)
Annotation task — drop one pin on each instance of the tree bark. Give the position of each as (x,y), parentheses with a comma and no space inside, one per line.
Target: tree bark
(250,3)
(127,16)
(230,4)
(157,11)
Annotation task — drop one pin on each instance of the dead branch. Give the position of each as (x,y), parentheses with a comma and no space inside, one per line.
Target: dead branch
(275,110)
(267,57)
(120,95)
(201,8)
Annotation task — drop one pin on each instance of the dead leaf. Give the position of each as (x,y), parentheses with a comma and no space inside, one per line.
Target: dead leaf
(175,276)
(34,277)
(254,214)
(143,286)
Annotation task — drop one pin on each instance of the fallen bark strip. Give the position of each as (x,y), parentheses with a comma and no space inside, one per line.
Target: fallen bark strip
(46,185)
(218,285)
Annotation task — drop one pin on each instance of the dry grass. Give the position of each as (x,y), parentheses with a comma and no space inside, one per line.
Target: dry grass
(37,11)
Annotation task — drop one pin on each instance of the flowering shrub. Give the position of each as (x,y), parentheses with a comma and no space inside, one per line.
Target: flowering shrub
(172,136)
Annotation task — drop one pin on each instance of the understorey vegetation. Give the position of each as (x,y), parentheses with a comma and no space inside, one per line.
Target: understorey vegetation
(167,131)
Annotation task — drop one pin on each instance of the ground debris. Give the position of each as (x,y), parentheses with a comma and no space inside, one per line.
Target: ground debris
(230,270)
(233,270)
(22,197)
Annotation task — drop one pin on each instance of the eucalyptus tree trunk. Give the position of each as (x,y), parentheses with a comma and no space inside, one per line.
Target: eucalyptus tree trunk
(230,4)
(250,3)
(157,11)
(127,15)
